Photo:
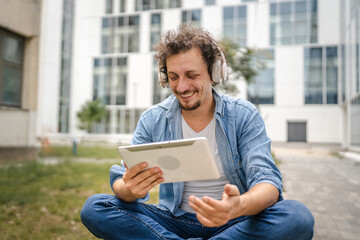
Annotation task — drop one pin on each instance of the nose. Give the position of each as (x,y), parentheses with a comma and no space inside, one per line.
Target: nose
(183,85)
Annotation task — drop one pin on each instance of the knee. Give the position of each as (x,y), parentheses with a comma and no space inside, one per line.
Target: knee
(299,219)
(90,210)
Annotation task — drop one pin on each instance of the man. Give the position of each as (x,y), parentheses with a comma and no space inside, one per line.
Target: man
(245,203)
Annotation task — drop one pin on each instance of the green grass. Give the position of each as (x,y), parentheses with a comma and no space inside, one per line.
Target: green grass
(40,201)
(84,151)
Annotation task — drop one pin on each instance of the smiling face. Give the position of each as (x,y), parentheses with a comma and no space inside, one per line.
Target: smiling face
(189,80)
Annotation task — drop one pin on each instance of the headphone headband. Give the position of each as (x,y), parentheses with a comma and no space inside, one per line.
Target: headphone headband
(219,71)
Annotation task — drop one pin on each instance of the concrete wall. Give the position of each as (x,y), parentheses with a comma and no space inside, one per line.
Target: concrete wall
(49,67)
(17,125)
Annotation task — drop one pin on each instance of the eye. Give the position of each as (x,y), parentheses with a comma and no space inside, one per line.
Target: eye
(192,76)
(173,77)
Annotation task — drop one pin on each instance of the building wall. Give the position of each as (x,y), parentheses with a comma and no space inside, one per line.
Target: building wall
(325,123)
(349,28)
(17,126)
(49,68)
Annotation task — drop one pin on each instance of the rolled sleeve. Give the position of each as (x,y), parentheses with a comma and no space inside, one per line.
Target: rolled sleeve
(258,163)
(259,175)
(117,172)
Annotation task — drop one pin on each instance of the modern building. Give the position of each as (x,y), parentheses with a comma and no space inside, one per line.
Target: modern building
(19,55)
(350,71)
(309,91)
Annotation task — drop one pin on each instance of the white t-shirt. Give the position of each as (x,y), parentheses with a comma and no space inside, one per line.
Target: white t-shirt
(210,188)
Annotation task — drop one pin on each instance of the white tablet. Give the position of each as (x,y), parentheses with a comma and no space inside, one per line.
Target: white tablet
(180,160)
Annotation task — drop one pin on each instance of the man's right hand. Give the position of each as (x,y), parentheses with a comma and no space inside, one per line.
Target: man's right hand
(137,182)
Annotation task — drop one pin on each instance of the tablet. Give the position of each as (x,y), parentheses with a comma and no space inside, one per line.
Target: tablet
(180,160)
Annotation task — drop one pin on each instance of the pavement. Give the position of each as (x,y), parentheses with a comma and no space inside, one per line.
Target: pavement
(328,183)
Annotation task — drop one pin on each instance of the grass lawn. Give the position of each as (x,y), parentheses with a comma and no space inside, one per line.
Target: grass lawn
(39,201)
(84,151)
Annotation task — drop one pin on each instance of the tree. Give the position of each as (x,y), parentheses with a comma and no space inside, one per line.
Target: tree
(242,61)
(90,112)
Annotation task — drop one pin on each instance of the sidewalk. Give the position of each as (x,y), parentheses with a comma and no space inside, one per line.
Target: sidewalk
(328,184)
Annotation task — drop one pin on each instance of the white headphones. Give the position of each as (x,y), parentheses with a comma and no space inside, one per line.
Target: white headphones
(219,71)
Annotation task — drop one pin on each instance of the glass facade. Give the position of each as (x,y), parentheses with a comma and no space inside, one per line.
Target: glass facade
(155,29)
(210,2)
(145,5)
(261,91)
(110,80)
(321,75)
(192,17)
(109,6)
(120,34)
(122,6)
(331,75)
(293,22)
(234,24)
(66,62)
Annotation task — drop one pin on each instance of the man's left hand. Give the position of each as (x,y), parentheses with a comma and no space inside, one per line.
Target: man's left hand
(214,213)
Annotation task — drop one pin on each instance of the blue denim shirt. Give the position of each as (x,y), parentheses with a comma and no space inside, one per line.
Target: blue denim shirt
(243,145)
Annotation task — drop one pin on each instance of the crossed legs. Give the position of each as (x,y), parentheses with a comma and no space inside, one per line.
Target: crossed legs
(110,218)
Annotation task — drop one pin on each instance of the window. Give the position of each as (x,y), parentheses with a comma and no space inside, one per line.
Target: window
(109,84)
(293,22)
(261,91)
(234,24)
(313,76)
(321,75)
(155,30)
(109,6)
(11,68)
(120,34)
(331,75)
(209,2)
(122,6)
(66,63)
(343,73)
(192,16)
(144,5)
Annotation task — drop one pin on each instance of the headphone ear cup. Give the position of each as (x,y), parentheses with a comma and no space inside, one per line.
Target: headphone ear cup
(219,71)
(224,70)
(216,71)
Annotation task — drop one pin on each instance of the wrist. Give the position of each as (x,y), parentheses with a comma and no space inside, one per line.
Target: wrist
(122,192)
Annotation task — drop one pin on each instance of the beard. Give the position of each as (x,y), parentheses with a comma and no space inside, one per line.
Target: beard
(186,107)
(190,108)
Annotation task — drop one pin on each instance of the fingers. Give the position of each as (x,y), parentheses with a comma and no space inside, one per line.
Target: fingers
(210,212)
(231,190)
(139,181)
(132,172)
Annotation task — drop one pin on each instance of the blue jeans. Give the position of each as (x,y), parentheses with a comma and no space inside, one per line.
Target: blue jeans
(108,217)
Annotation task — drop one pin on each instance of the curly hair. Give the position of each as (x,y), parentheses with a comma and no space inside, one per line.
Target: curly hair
(185,38)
